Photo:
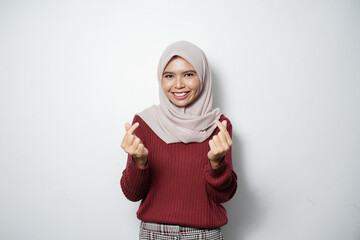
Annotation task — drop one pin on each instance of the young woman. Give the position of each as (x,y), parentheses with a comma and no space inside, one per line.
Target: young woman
(179,153)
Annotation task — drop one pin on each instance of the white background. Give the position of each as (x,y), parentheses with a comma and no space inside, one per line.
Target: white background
(286,73)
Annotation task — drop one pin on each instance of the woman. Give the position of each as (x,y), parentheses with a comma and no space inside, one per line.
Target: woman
(179,153)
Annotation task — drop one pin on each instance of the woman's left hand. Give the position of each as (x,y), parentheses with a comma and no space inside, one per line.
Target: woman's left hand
(219,144)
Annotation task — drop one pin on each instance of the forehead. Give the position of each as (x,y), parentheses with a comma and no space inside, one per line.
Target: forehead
(178,62)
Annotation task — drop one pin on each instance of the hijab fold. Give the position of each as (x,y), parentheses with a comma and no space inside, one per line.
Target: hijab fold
(194,122)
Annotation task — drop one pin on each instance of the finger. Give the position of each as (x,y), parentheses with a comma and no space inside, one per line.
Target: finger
(212,145)
(217,142)
(211,153)
(224,130)
(145,151)
(125,142)
(224,123)
(134,146)
(221,126)
(129,139)
(223,140)
(127,126)
(132,128)
(141,150)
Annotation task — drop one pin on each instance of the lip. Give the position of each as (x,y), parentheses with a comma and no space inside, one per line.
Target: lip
(181,97)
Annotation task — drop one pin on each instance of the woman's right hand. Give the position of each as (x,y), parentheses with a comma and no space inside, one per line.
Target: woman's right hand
(133,146)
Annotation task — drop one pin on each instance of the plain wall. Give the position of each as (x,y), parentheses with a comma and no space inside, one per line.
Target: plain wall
(286,73)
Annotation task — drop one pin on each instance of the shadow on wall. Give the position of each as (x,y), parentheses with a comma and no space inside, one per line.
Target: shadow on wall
(243,211)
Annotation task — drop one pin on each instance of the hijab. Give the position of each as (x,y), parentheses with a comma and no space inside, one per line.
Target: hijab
(194,122)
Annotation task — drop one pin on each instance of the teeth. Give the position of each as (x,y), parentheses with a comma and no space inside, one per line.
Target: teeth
(180,94)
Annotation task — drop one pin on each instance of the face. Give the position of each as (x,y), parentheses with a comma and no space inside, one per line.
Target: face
(180,82)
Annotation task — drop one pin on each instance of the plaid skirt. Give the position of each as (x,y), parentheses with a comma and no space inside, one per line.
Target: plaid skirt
(156,231)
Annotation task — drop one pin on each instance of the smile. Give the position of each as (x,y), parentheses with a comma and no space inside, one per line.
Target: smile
(181,95)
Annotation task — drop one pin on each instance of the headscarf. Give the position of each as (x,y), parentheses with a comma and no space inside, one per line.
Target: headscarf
(194,122)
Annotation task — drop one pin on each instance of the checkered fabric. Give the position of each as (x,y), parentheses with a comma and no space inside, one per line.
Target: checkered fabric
(155,231)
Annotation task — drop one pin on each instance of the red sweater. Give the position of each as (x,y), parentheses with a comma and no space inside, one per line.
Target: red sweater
(178,185)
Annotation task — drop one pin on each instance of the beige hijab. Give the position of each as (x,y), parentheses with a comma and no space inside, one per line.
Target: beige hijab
(192,123)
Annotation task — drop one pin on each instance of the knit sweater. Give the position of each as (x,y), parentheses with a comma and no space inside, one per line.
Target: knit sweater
(178,185)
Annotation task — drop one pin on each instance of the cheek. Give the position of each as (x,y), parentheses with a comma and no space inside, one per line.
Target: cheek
(166,86)
(195,84)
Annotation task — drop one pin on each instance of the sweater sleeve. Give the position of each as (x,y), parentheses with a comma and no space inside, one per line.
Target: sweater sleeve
(135,182)
(221,183)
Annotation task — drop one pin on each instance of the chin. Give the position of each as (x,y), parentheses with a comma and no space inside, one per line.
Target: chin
(182,104)
(179,104)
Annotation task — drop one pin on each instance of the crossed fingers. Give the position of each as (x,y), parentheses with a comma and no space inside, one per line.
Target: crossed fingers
(220,143)
(132,144)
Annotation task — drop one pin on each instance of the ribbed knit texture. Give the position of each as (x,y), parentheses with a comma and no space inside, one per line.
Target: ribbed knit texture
(178,185)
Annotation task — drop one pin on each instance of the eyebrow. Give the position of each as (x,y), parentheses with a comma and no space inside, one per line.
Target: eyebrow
(187,71)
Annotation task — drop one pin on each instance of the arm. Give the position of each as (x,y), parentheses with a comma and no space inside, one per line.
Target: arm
(221,180)
(135,180)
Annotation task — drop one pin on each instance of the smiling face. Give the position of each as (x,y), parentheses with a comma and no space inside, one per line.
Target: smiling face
(180,82)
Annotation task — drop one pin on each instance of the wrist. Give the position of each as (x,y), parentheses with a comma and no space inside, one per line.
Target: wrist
(215,164)
(140,162)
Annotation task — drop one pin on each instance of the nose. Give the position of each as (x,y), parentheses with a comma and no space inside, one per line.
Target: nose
(179,82)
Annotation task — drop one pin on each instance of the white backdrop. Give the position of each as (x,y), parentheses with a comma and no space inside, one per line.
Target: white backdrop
(285,72)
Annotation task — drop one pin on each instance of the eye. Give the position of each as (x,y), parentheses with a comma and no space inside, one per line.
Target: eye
(168,76)
(189,74)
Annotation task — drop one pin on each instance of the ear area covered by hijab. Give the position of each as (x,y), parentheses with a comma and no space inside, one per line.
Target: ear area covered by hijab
(192,123)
